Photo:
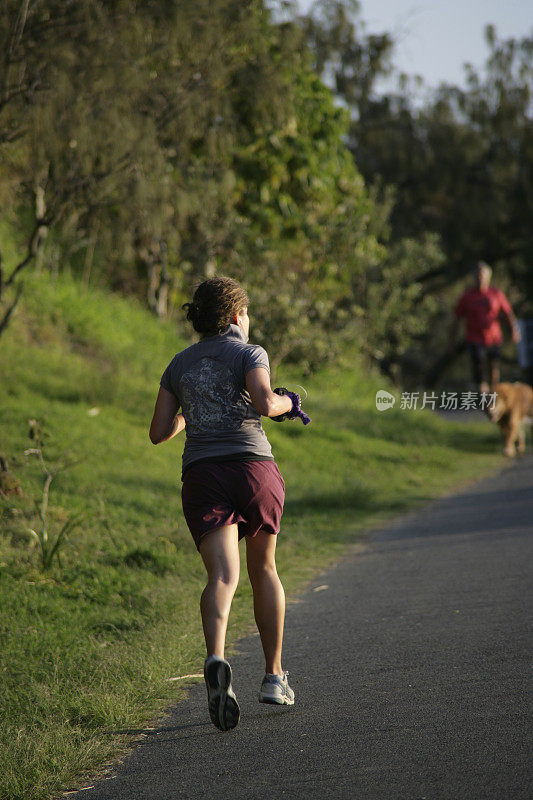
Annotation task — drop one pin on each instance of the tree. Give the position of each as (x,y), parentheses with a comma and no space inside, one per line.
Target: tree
(305,226)
(66,130)
(460,166)
(26,34)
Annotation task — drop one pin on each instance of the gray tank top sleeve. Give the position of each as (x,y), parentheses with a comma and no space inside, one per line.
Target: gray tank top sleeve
(166,378)
(255,356)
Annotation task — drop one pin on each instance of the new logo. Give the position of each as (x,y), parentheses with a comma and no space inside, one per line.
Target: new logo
(384,400)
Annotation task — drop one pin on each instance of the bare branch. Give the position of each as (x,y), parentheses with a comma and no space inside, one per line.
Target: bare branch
(20,266)
(35,451)
(19,26)
(4,322)
(15,39)
(26,89)
(32,250)
(14,133)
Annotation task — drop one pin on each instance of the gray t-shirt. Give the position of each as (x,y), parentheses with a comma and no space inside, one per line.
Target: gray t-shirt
(208,379)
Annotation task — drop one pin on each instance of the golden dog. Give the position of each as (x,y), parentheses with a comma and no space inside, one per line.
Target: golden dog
(512,409)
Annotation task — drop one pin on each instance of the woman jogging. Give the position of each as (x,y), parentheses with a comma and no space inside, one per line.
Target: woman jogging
(232,487)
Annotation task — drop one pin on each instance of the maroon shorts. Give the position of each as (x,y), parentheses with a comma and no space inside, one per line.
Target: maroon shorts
(249,493)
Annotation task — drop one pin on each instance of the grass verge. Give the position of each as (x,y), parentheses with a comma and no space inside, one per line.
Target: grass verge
(87,646)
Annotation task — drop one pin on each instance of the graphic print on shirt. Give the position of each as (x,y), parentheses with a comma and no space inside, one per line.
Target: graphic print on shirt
(210,399)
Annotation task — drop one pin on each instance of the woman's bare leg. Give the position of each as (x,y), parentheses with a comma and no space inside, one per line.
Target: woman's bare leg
(269,597)
(220,553)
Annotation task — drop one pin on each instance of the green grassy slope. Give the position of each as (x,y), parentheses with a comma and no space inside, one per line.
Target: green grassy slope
(87,647)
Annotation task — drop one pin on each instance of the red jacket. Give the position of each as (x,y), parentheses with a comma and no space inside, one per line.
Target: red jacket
(481,310)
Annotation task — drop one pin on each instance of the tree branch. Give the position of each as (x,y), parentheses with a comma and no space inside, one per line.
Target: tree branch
(11,135)
(32,250)
(10,94)
(4,322)
(15,39)
(20,266)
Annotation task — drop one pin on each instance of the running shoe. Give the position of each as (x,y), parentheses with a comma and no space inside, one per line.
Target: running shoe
(223,707)
(276,689)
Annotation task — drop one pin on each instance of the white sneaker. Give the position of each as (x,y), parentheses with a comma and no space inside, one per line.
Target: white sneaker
(223,707)
(275,689)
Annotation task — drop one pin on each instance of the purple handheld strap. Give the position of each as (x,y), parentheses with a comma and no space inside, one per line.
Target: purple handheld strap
(297,409)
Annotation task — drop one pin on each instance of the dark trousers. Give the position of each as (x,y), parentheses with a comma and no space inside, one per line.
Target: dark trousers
(483,357)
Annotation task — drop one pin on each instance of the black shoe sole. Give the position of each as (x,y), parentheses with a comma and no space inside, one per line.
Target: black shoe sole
(223,707)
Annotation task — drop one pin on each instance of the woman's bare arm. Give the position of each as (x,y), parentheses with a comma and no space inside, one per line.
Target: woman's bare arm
(264,400)
(166,422)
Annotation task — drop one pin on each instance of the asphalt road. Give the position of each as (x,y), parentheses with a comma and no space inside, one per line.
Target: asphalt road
(410,671)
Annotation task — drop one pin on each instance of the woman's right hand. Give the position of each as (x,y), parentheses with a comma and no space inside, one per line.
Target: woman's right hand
(296,410)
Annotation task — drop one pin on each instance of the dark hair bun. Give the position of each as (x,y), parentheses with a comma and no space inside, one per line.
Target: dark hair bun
(215,303)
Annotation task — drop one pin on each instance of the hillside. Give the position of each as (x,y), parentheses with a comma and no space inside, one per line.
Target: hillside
(89,644)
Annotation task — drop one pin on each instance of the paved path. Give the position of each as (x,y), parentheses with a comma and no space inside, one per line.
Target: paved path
(410,671)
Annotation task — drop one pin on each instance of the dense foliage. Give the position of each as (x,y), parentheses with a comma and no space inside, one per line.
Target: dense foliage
(148,144)
(459,162)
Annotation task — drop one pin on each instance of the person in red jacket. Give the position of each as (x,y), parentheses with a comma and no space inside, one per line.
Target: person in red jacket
(480,307)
